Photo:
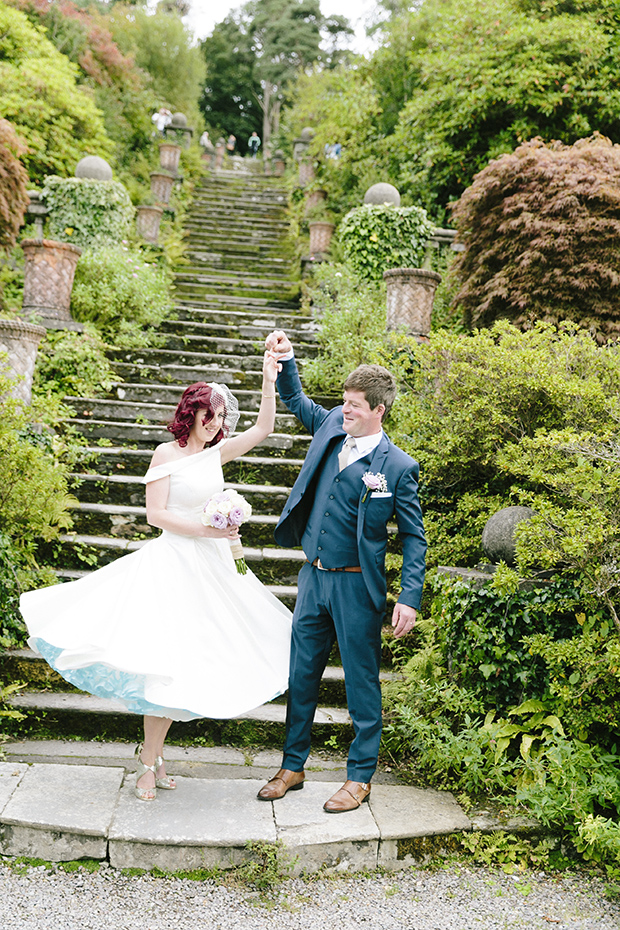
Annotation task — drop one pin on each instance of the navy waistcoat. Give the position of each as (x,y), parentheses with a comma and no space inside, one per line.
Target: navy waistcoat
(331,530)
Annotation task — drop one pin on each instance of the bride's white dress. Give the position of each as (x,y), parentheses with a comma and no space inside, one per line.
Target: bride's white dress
(171,630)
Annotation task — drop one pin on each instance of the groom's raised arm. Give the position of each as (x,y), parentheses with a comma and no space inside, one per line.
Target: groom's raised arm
(289,383)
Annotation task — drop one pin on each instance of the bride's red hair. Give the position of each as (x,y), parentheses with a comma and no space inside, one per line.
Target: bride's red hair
(197,396)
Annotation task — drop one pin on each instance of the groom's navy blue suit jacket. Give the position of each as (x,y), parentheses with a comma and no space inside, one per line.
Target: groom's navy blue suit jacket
(401,473)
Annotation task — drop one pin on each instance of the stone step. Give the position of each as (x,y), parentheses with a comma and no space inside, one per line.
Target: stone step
(128,522)
(148,436)
(142,413)
(119,460)
(246,317)
(26,666)
(212,285)
(76,551)
(78,714)
(62,812)
(256,305)
(141,392)
(222,365)
(199,260)
(127,490)
(204,330)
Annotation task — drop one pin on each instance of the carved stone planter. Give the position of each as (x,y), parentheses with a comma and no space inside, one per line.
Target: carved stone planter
(306,171)
(148,219)
(320,237)
(410,295)
(161,186)
(169,156)
(21,341)
(48,280)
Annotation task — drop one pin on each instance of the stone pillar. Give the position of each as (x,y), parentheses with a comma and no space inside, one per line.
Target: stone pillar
(161,186)
(320,237)
(279,165)
(220,148)
(410,295)
(48,280)
(306,171)
(148,219)
(169,156)
(21,341)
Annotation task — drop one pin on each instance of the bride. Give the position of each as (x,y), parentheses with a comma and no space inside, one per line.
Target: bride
(172,631)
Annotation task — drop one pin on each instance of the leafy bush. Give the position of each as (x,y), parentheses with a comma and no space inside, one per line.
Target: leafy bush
(40,97)
(70,363)
(34,504)
(482,635)
(86,212)
(352,330)
(376,238)
(125,296)
(541,229)
(13,185)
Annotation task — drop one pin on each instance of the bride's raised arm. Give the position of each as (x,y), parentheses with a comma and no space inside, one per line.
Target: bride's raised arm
(265,422)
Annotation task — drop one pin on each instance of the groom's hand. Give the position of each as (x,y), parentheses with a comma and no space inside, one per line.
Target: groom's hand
(403,620)
(277,344)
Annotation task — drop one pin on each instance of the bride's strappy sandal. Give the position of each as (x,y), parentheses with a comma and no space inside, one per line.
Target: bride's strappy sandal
(167,781)
(145,794)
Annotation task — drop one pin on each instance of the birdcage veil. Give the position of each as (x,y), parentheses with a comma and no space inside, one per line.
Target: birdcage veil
(223,395)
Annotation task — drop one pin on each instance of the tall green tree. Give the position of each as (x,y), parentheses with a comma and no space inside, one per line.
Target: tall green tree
(230,99)
(270,43)
(490,75)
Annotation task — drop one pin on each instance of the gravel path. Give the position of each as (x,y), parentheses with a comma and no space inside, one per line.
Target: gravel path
(453,899)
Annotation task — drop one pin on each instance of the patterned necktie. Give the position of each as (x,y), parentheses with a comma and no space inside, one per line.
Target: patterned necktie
(343,455)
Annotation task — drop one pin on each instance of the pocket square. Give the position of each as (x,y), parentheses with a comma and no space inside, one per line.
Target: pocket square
(381,494)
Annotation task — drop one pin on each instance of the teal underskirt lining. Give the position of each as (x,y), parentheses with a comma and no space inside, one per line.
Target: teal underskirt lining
(107,682)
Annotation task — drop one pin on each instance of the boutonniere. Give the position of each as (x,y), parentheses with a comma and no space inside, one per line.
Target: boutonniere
(373,483)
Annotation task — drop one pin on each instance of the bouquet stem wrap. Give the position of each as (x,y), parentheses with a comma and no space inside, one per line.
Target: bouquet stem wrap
(237,553)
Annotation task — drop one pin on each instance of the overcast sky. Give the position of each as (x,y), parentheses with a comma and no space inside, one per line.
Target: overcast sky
(204,14)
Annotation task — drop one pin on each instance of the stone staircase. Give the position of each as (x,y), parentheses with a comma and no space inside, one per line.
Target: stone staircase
(65,791)
(238,285)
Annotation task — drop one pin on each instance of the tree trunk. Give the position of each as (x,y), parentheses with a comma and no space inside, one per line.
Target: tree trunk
(267,94)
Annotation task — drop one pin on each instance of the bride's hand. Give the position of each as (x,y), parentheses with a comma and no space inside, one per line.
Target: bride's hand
(229,532)
(270,368)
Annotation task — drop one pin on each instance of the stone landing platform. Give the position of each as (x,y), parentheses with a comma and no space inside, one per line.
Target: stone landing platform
(84,807)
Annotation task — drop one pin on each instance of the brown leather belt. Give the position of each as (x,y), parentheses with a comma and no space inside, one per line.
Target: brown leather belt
(349,568)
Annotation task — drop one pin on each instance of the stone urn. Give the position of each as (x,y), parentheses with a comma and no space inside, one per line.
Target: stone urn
(21,341)
(48,280)
(320,237)
(161,186)
(306,171)
(169,156)
(148,219)
(498,535)
(410,295)
(314,199)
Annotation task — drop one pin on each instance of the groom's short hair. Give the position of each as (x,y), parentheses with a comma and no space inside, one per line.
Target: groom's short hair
(376,383)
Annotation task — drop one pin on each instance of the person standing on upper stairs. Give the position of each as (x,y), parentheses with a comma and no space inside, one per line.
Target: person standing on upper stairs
(254,144)
(353,482)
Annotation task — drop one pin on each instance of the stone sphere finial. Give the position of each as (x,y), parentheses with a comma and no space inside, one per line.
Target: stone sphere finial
(382,193)
(178,121)
(307,134)
(93,167)
(498,536)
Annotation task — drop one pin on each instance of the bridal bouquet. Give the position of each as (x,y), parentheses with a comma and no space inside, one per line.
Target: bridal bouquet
(228,508)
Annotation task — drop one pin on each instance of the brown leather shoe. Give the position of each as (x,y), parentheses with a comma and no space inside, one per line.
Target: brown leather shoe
(348,798)
(282,781)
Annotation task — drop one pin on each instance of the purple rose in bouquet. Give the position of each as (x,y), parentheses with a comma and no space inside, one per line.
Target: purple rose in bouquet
(219,521)
(236,516)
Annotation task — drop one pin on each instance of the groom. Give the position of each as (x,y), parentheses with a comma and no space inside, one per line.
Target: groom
(353,482)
